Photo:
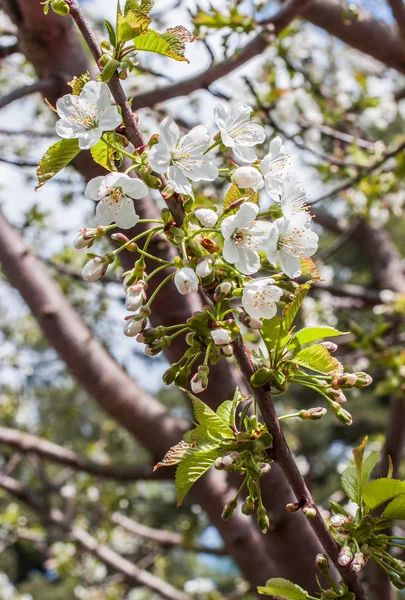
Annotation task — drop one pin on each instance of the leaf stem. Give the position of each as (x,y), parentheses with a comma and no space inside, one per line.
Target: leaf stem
(157,290)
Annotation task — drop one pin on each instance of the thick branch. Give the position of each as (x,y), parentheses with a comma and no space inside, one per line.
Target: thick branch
(26,442)
(398,10)
(163,537)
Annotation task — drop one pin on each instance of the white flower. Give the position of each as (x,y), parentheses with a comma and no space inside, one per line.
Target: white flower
(243,237)
(204,268)
(237,131)
(88,115)
(134,297)
(259,298)
(290,240)
(197,384)
(183,158)
(186,281)
(94,269)
(115,193)
(221,337)
(206,216)
(134,326)
(274,168)
(293,199)
(248,177)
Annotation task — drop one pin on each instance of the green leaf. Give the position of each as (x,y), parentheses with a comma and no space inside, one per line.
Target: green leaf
(317,358)
(109,70)
(379,491)
(111,33)
(78,83)
(55,159)
(227,410)
(368,465)
(338,510)
(104,155)
(395,509)
(207,417)
(171,43)
(311,334)
(270,332)
(144,6)
(283,589)
(192,467)
(290,311)
(131,25)
(350,482)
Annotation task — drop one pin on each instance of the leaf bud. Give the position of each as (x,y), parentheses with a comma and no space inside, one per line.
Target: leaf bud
(60,7)
(167,191)
(222,291)
(292,507)
(106,46)
(363,380)
(322,563)
(262,519)
(228,511)
(151,180)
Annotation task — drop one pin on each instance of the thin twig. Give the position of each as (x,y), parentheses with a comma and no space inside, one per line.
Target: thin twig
(42,86)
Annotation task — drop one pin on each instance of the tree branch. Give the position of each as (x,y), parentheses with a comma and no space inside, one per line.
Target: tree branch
(164,537)
(398,10)
(28,443)
(42,85)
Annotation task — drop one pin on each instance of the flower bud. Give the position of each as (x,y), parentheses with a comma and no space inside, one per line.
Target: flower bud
(134,297)
(85,238)
(344,417)
(345,556)
(322,563)
(227,350)
(248,505)
(347,380)
(221,337)
(222,291)
(218,464)
(337,395)
(199,382)
(249,321)
(309,512)
(204,267)
(186,281)
(228,510)
(206,217)
(338,520)
(134,326)
(330,346)
(358,561)
(262,519)
(94,269)
(313,413)
(263,468)
(363,380)
(248,177)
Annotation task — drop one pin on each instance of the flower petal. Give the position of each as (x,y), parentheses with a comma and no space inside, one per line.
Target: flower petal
(290,265)
(93,187)
(104,212)
(228,227)
(244,153)
(110,119)
(89,138)
(248,261)
(134,188)
(230,251)
(196,141)
(169,133)
(159,158)
(179,181)
(126,216)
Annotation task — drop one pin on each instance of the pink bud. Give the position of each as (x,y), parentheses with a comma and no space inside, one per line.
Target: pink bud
(94,269)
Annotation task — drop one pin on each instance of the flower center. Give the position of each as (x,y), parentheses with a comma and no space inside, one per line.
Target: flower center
(293,241)
(87,117)
(243,238)
(116,194)
(261,299)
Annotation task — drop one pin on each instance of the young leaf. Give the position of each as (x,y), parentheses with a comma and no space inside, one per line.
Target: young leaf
(104,155)
(209,419)
(395,509)
(293,307)
(317,358)
(350,482)
(337,509)
(109,70)
(78,83)
(111,33)
(234,194)
(368,465)
(192,467)
(284,589)
(131,25)
(227,410)
(379,491)
(55,159)
(312,334)
(174,455)
(144,6)
(271,332)
(171,43)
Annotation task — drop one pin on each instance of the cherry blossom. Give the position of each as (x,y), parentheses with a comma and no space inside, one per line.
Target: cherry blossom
(206,216)
(186,281)
(182,158)
(260,297)
(244,237)
(248,177)
(238,131)
(290,240)
(88,115)
(116,193)
(274,168)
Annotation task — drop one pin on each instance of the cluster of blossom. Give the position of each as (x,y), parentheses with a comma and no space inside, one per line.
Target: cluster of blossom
(241,241)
